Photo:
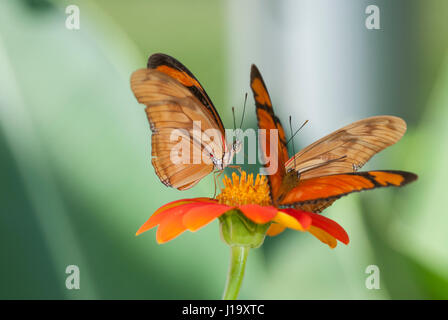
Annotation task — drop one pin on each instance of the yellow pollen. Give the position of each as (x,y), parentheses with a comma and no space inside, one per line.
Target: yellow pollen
(243,190)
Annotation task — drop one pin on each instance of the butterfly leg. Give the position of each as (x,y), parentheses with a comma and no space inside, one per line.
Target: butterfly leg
(216,174)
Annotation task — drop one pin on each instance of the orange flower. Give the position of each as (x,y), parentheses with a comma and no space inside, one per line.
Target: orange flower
(241,196)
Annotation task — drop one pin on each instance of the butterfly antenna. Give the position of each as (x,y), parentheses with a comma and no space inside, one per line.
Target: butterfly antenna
(296,132)
(233,115)
(244,110)
(293,151)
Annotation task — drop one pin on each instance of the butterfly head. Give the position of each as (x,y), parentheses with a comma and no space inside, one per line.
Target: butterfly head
(292,175)
(290,181)
(236,146)
(221,163)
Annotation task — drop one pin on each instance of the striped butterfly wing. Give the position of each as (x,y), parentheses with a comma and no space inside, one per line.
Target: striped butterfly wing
(345,150)
(324,190)
(180,123)
(316,206)
(349,147)
(172,67)
(269,123)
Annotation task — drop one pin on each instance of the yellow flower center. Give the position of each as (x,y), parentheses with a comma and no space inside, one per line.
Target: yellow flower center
(243,190)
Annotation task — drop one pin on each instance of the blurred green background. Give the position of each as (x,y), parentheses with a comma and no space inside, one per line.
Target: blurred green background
(76,179)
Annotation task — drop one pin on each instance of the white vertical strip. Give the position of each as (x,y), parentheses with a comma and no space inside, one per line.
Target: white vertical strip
(324,75)
(312,56)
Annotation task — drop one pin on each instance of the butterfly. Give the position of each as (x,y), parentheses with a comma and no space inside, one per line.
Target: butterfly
(326,170)
(177,103)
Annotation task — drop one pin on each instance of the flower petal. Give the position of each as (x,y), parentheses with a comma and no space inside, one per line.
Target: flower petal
(323,236)
(198,217)
(275,229)
(257,213)
(173,225)
(170,228)
(294,218)
(181,202)
(166,211)
(329,226)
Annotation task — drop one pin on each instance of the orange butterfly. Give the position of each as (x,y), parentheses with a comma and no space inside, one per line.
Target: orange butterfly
(176,102)
(324,171)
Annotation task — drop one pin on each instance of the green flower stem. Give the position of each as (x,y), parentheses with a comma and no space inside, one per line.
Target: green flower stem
(238,258)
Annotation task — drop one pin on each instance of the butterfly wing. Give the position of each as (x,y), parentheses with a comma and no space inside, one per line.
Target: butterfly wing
(353,145)
(268,121)
(316,206)
(172,67)
(322,191)
(173,104)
